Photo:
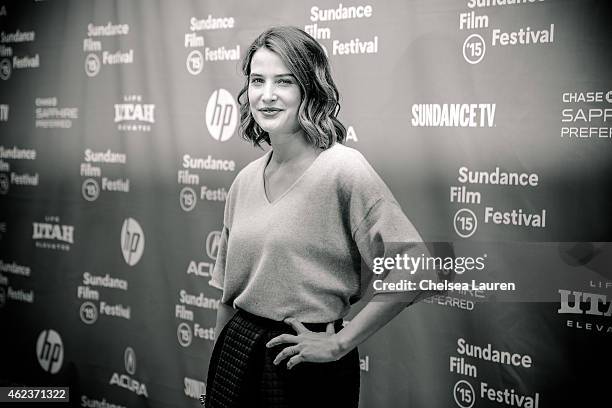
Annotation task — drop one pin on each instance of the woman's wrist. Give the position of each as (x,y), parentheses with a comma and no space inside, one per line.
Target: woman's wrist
(344,343)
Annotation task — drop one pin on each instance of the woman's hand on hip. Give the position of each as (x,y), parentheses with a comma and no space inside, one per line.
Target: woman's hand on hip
(307,346)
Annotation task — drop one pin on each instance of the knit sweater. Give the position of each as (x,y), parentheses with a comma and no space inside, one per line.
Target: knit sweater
(301,255)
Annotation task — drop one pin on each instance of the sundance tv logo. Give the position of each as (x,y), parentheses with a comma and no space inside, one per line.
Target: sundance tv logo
(50,351)
(221,115)
(194,388)
(132,241)
(460,115)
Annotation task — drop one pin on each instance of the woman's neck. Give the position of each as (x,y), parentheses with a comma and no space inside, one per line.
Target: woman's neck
(290,148)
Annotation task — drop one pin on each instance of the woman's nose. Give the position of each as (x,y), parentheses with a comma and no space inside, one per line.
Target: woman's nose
(269,92)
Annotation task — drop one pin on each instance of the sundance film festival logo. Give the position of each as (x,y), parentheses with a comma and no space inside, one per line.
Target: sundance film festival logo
(90,189)
(9,61)
(195,62)
(132,241)
(475,45)
(474,49)
(97,55)
(184,334)
(465,222)
(125,380)
(5,69)
(92,65)
(221,115)
(50,351)
(188,199)
(88,313)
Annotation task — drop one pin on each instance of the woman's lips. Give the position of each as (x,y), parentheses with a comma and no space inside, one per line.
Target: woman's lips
(270,112)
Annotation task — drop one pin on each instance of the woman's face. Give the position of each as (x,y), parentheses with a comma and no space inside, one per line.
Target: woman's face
(274,94)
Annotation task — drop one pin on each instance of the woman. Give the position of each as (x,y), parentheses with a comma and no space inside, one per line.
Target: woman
(297,223)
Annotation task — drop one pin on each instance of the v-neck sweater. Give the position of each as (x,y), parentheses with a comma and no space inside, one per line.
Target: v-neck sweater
(300,255)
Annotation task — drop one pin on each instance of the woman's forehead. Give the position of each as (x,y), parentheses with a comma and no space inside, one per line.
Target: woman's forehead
(268,62)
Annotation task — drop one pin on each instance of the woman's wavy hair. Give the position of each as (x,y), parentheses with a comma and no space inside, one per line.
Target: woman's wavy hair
(307,61)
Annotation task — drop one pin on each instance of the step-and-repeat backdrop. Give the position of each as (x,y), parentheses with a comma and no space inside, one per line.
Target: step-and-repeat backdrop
(490,120)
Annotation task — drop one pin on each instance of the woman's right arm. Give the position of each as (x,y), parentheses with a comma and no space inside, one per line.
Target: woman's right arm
(224,311)
(224,314)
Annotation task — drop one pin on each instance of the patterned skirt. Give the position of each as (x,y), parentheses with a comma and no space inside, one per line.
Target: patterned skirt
(241,372)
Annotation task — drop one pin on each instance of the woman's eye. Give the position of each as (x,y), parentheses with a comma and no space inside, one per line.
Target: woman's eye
(284,81)
(256,80)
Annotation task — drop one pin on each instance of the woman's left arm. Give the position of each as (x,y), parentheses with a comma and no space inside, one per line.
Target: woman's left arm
(368,321)
(380,229)
(328,346)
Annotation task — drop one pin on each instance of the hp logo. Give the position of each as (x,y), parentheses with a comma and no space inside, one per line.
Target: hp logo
(132,241)
(221,115)
(50,351)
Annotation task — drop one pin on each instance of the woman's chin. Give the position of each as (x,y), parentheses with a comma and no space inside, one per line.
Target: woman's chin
(275,128)
(266,126)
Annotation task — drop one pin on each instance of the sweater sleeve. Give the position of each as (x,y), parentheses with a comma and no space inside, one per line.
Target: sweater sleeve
(217,279)
(382,232)
(218,273)
(375,217)
(386,233)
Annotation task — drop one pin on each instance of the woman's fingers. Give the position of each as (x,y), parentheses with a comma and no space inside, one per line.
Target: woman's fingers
(297,326)
(286,352)
(293,361)
(282,339)
(306,343)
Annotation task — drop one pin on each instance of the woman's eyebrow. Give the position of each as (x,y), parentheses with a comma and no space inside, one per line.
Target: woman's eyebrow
(275,76)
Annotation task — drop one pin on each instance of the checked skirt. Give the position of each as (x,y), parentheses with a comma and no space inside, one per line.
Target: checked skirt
(241,372)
